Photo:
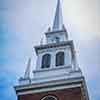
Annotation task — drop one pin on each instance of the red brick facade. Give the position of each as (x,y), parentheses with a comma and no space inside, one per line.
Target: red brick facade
(66,94)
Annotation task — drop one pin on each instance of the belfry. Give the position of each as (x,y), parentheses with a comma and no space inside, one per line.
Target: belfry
(57,75)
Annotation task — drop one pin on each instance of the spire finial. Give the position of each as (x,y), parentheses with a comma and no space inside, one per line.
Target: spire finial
(57,24)
(27,71)
(26,79)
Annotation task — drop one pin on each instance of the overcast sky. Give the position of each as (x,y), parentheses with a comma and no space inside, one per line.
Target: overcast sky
(22,25)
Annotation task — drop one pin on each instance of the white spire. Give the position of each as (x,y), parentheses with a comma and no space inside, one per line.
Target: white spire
(58,23)
(27,71)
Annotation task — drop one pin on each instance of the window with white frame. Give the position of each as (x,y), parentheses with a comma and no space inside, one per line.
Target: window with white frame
(60,58)
(46,60)
(49,98)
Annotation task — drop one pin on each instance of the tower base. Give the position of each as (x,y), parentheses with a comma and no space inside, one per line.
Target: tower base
(71,89)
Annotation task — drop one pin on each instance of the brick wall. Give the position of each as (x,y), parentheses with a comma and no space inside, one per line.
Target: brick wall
(66,94)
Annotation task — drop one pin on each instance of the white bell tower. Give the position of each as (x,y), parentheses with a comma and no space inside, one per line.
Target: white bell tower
(56,59)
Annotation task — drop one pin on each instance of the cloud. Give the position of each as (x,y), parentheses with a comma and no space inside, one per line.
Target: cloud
(7,81)
(83,16)
(24,23)
(90,57)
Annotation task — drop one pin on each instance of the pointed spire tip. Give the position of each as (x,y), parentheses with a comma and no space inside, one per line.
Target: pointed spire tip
(58,20)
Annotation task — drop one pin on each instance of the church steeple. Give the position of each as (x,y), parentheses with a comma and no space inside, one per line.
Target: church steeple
(57,73)
(58,20)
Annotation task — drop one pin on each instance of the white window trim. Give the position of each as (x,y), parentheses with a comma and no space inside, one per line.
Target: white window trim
(49,96)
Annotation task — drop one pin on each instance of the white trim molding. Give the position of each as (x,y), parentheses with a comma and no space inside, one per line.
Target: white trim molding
(49,96)
(49,86)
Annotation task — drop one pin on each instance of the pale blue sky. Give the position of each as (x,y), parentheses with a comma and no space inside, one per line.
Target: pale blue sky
(22,25)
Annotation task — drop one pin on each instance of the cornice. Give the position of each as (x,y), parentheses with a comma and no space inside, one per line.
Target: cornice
(50,69)
(53,45)
(48,84)
(53,32)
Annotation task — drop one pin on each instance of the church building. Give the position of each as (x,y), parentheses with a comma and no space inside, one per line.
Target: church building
(57,75)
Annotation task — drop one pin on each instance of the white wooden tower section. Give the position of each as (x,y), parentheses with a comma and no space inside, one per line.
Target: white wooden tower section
(57,41)
(59,53)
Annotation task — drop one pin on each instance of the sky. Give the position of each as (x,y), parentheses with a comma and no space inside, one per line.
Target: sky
(23,24)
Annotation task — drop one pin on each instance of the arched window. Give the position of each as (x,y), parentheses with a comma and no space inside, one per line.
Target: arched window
(49,98)
(60,58)
(46,59)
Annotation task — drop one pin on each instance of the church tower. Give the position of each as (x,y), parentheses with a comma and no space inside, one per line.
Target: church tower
(57,75)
